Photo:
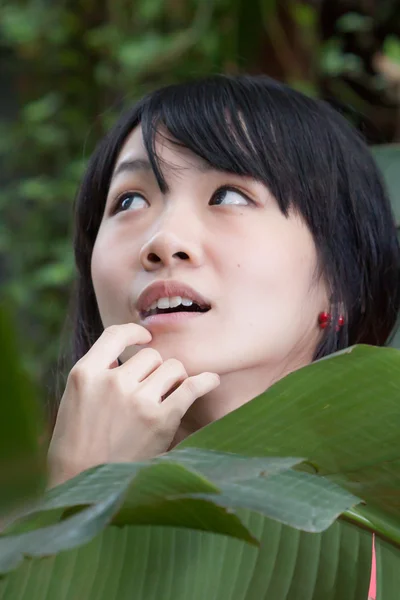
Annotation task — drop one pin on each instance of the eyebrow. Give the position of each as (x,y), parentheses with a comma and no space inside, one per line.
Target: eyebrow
(142,164)
(132,166)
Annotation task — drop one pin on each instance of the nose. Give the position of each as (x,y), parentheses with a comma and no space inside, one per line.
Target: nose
(167,249)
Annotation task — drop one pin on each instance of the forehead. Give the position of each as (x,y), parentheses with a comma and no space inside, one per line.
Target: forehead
(169,152)
(133,145)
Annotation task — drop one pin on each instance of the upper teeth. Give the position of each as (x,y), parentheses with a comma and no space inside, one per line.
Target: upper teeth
(170,302)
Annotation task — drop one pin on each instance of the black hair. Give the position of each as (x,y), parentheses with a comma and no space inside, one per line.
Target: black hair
(310,158)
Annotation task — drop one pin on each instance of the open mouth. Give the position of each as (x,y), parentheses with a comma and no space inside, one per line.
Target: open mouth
(194,308)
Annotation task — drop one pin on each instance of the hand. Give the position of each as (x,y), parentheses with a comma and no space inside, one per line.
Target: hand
(110,413)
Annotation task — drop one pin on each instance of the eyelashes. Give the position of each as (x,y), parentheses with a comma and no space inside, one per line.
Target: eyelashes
(120,199)
(220,191)
(217,195)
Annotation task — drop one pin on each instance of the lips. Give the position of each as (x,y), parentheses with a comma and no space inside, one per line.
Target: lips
(169,289)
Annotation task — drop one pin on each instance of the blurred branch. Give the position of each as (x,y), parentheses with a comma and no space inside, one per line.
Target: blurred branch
(279,40)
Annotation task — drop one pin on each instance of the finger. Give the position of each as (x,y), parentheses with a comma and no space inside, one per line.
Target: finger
(142,364)
(192,388)
(113,342)
(160,382)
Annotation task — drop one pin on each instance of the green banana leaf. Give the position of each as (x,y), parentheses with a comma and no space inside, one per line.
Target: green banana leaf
(388,580)
(165,492)
(171,563)
(341,414)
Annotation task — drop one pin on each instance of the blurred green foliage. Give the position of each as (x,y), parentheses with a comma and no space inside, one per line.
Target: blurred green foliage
(22,444)
(75,65)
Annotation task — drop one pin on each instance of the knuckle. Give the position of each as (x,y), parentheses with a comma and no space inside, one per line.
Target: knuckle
(189,386)
(148,414)
(152,420)
(115,387)
(78,374)
(152,354)
(80,382)
(176,366)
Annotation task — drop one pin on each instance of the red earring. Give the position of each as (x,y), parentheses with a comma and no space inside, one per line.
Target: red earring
(340,321)
(324,320)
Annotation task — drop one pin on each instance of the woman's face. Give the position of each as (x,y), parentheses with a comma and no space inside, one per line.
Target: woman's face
(224,236)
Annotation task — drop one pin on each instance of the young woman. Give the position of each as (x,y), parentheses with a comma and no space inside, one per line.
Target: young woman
(228,231)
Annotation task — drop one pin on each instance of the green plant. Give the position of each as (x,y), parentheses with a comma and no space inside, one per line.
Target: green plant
(234,511)
(22,464)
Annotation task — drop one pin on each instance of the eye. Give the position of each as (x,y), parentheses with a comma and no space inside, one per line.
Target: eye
(230,196)
(128,199)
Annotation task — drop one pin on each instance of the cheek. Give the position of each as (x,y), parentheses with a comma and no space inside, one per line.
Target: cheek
(270,278)
(101,264)
(107,273)
(110,253)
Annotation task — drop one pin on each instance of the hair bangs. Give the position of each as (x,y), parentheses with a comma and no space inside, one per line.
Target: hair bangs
(216,122)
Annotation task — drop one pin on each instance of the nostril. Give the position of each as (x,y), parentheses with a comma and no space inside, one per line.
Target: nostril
(155,258)
(152,257)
